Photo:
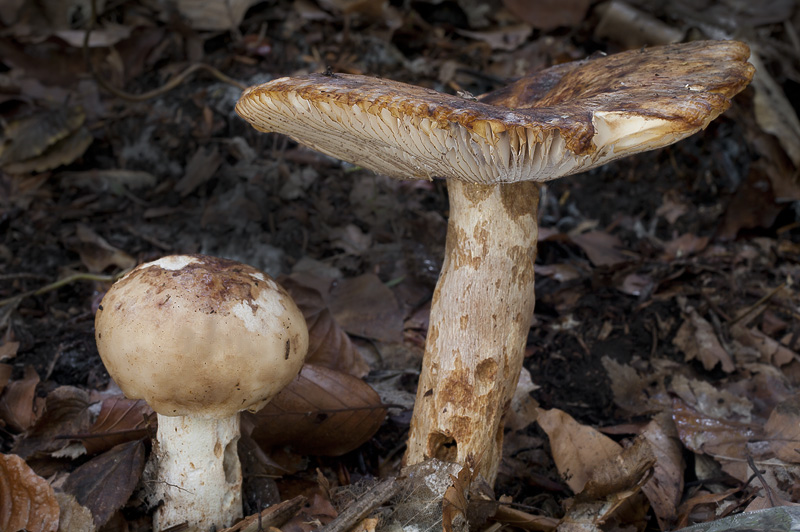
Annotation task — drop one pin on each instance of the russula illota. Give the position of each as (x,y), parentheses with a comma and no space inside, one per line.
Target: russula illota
(200,339)
(493,154)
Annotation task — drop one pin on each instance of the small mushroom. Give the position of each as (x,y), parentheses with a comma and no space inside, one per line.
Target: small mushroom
(200,339)
(494,153)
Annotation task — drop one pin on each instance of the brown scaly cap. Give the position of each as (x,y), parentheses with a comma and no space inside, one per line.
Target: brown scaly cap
(560,121)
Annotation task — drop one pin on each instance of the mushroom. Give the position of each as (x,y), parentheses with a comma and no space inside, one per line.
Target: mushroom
(494,153)
(199,339)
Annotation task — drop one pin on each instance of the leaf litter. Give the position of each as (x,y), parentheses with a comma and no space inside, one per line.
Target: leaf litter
(666,319)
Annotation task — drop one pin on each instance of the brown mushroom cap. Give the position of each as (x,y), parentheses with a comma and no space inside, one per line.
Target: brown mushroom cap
(196,335)
(561,121)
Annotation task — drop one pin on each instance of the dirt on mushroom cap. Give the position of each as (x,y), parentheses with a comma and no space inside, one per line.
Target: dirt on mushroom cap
(194,335)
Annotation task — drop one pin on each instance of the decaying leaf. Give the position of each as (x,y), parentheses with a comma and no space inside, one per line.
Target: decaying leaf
(66,412)
(328,344)
(322,412)
(105,483)
(577,449)
(96,253)
(664,490)
(27,501)
(782,430)
(366,307)
(696,338)
(73,517)
(120,420)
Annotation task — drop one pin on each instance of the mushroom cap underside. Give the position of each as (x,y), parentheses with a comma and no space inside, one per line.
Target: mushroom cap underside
(201,336)
(560,121)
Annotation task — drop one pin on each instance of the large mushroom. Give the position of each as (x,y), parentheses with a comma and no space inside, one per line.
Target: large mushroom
(494,153)
(199,339)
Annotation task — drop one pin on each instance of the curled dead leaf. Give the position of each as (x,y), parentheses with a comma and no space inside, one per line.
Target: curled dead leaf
(322,412)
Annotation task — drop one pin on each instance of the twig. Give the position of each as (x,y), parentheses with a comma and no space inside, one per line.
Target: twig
(758,303)
(363,506)
(767,488)
(166,87)
(58,284)
(274,516)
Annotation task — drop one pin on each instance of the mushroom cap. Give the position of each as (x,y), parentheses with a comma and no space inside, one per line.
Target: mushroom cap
(560,121)
(200,336)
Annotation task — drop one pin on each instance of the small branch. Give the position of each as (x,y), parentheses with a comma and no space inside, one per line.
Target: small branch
(758,303)
(61,282)
(357,511)
(168,86)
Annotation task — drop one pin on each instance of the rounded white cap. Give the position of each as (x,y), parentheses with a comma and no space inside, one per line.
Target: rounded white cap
(200,336)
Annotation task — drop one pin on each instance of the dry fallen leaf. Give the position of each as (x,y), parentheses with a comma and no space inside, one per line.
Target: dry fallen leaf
(27,501)
(73,517)
(364,306)
(602,248)
(577,449)
(454,502)
(120,420)
(782,430)
(328,344)
(96,253)
(66,412)
(772,351)
(322,412)
(665,489)
(105,483)
(696,338)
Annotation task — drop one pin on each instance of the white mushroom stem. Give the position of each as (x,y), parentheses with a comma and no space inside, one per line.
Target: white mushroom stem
(199,477)
(480,316)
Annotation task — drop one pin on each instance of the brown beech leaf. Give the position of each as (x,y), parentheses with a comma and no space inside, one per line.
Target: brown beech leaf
(106,482)
(366,307)
(120,420)
(66,412)
(577,449)
(18,404)
(27,501)
(328,344)
(322,411)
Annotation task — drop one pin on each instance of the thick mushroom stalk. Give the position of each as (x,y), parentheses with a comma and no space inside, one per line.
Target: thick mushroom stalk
(486,287)
(200,339)
(493,152)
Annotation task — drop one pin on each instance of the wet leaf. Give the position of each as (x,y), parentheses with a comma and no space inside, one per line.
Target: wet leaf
(321,412)
(120,420)
(105,483)
(18,405)
(577,449)
(703,434)
(328,344)
(27,501)
(366,307)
